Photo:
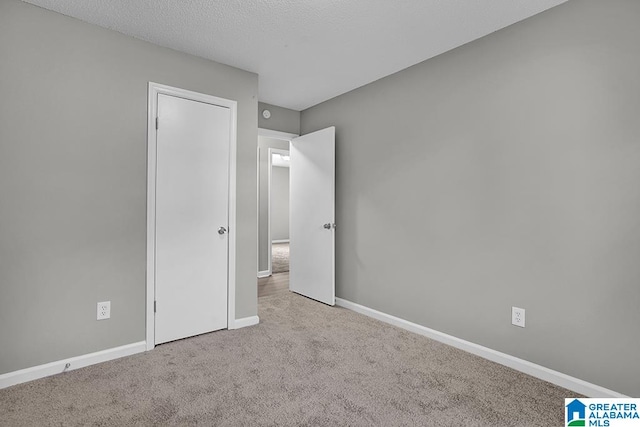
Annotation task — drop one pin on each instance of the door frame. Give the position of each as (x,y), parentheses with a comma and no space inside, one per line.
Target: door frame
(156,89)
(283,136)
(271,151)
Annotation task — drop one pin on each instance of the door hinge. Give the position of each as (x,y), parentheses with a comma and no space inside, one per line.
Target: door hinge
(155,307)
(157,123)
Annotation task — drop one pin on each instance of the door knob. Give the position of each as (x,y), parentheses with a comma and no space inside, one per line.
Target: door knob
(222,230)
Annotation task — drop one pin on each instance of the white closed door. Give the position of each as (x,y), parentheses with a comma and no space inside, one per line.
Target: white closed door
(192,198)
(312,216)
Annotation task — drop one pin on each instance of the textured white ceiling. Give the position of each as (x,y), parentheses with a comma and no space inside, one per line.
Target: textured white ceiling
(306,51)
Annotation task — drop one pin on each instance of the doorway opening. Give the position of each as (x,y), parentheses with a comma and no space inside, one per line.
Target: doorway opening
(273,211)
(312,213)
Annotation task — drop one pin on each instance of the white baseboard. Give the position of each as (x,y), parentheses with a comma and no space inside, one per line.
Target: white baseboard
(546,374)
(41,371)
(265,273)
(280,241)
(244,322)
(57,367)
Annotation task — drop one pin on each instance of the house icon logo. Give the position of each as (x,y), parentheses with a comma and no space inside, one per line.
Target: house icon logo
(576,413)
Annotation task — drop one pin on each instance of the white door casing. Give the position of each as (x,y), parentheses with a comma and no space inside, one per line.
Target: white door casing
(191,189)
(312,216)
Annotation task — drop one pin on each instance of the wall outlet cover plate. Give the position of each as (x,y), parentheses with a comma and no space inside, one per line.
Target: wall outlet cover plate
(104,310)
(517,316)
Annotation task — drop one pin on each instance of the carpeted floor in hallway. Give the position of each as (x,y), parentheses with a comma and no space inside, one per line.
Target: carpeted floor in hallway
(305,364)
(279,258)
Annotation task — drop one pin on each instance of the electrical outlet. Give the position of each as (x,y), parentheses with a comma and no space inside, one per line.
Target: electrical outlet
(517,316)
(104,310)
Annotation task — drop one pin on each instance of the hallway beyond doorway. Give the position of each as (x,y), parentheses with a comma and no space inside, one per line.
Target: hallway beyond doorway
(280,257)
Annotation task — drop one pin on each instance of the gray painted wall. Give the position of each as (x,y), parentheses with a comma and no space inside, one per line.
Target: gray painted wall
(73,115)
(263,197)
(503,173)
(280,203)
(282,119)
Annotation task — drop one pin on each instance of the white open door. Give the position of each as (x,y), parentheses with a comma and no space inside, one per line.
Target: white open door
(312,216)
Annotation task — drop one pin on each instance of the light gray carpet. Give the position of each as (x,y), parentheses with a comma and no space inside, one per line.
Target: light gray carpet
(305,364)
(279,257)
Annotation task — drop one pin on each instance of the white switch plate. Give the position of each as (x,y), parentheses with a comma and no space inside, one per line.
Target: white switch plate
(104,310)
(517,316)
